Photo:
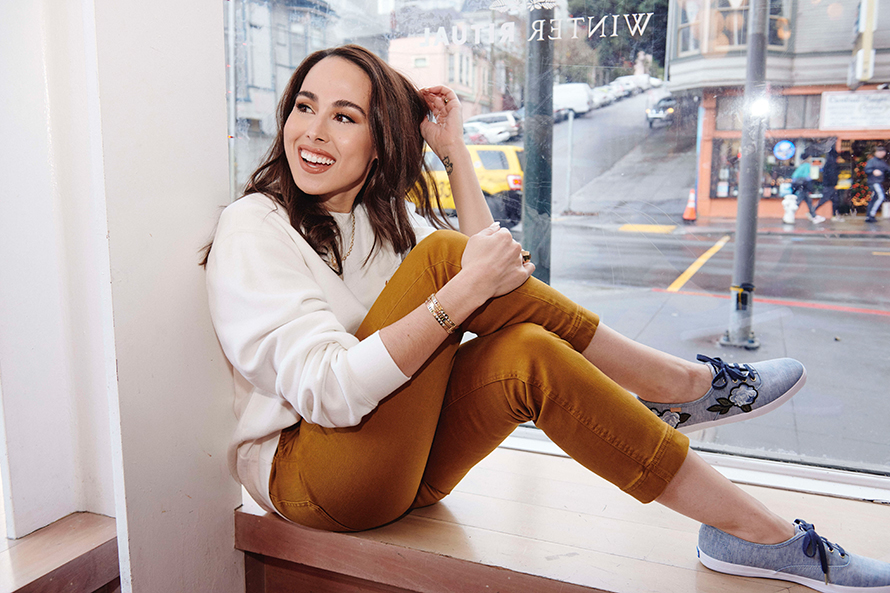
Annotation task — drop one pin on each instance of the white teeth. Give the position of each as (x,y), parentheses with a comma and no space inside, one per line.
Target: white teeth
(315,158)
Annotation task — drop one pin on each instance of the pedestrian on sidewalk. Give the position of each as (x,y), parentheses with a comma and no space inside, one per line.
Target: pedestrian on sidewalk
(829,180)
(802,185)
(877,169)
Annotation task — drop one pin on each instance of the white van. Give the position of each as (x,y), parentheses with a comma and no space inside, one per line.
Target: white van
(577,96)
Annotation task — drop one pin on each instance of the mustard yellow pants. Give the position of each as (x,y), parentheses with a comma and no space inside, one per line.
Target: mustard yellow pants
(525,365)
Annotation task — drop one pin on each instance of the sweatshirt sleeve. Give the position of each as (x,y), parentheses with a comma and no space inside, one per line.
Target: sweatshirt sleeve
(422,227)
(278,331)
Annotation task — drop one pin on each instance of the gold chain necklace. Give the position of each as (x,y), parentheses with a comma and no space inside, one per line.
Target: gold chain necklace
(351,238)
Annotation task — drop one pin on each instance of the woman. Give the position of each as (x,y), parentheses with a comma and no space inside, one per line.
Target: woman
(341,311)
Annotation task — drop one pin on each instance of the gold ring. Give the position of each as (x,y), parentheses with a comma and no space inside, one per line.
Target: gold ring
(526,256)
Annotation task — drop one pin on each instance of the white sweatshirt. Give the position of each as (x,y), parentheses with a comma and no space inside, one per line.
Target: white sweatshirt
(286,321)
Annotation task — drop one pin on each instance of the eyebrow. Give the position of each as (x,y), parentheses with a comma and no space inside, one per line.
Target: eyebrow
(338,103)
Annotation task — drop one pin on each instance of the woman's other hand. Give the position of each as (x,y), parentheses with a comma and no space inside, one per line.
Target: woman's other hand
(448,129)
(493,261)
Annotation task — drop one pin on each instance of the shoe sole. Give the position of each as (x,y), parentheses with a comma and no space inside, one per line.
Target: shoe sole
(750,571)
(753,413)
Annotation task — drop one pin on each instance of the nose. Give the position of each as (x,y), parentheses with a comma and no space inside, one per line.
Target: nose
(317,130)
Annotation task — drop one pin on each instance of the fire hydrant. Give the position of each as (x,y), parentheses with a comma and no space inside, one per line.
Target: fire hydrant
(789,203)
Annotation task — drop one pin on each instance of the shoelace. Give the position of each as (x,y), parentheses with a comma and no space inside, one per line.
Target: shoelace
(724,372)
(813,543)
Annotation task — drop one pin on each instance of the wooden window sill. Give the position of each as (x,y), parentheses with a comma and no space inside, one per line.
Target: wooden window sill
(77,553)
(527,522)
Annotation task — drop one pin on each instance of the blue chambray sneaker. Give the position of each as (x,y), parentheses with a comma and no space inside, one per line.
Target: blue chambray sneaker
(806,558)
(738,392)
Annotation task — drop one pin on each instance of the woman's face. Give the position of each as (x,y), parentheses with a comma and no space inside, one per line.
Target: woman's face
(327,136)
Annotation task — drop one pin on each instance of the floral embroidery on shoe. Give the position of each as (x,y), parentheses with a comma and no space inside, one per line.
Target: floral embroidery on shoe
(672,418)
(740,397)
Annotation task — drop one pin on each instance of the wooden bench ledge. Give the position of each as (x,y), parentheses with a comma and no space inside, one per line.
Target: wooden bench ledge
(523,522)
(77,553)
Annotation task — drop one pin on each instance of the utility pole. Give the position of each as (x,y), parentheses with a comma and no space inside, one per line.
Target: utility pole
(756,115)
(538,126)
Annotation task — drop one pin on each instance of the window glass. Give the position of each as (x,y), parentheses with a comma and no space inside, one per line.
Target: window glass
(811,113)
(729,113)
(624,232)
(796,112)
(778,109)
(689,31)
(493,159)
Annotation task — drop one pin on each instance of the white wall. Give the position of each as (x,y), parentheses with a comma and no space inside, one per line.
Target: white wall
(57,454)
(115,166)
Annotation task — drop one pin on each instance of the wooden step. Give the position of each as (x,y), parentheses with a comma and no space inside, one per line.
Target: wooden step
(525,522)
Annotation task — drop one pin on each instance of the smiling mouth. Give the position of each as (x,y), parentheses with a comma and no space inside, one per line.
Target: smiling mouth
(316,159)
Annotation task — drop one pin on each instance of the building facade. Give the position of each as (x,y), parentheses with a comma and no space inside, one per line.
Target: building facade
(816,99)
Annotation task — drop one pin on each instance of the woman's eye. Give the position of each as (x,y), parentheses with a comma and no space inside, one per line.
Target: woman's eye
(303,107)
(344,119)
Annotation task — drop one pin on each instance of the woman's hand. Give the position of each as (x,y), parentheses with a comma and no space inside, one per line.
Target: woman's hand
(493,261)
(448,129)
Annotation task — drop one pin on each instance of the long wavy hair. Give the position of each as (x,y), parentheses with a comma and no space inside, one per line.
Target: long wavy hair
(398,173)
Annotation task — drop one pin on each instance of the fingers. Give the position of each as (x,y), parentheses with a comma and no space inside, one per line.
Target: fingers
(439,91)
(490,230)
(440,99)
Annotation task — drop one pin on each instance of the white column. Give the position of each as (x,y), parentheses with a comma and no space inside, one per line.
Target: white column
(162,91)
(115,167)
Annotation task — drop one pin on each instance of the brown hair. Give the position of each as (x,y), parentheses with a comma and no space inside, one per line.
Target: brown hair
(396,112)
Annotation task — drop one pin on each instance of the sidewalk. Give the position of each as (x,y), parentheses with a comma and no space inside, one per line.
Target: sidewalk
(840,418)
(850,226)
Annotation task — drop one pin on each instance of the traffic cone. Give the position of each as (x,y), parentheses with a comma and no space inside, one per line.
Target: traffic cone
(689,213)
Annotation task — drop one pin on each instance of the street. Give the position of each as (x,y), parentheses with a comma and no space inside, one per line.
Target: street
(822,296)
(849,272)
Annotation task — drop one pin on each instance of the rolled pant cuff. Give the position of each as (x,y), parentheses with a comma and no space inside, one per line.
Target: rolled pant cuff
(664,465)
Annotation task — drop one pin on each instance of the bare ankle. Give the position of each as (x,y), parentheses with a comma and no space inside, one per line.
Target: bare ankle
(769,532)
(694,381)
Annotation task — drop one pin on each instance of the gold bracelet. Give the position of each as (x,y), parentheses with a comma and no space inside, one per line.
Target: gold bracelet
(432,303)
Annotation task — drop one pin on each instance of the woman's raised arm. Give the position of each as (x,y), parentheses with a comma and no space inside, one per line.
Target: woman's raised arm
(445,138)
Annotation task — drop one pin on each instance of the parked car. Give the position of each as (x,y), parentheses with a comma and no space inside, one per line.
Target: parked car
(608,91)
(618,89)
(664,110)
(502,120)
(601,97)
(624,88)
(577,96)
(499,170)
(636,83)
(479,133)
(559,114)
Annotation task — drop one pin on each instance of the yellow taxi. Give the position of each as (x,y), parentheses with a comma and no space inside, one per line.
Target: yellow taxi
(499,170)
